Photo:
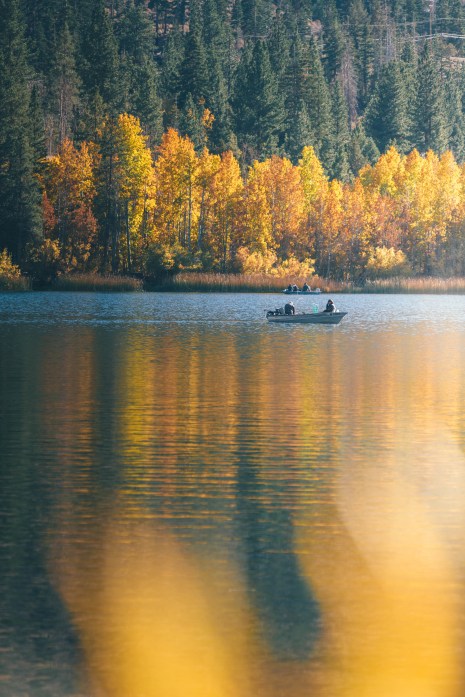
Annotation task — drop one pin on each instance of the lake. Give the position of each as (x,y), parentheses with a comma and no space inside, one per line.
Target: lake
(196,503)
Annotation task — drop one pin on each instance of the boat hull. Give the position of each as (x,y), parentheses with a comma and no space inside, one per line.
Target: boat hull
(301,292)
(308,318)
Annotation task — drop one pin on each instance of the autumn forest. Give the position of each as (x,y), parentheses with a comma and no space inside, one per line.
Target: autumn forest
(293,138)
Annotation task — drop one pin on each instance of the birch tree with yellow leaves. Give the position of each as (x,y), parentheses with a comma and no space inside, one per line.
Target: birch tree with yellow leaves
(222,206)
(315,189)
(126,186)
(176,201)
(134,178)
(284,195)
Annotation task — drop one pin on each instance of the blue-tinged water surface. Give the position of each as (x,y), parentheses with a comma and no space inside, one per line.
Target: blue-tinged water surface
(195,502)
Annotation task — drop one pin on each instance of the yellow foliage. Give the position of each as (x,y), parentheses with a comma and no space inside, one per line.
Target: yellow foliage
(177,201)
(293,268)
(201,204)
(207,119)
(257,213)
(221,189)
(385,262)
(385,173)
(314,180)
(255,262)
(8,270)
(267,263)
(275,205)
(134,175)
(70,189)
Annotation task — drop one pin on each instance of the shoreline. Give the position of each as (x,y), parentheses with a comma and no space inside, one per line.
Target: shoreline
(186,282)
(244,291)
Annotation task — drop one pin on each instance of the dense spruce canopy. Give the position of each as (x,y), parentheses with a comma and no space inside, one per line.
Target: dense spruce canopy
(257,65)
(349,78)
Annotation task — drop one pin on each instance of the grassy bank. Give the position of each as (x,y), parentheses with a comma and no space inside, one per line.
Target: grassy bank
(237,283)
(14,283)
(233,283)
(416,285)
(97,283)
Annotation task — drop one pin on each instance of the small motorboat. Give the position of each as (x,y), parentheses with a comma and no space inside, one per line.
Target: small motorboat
(305,317)
(316,291)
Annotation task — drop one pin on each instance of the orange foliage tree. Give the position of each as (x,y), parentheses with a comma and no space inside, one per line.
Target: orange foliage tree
(69,193)
(198,211)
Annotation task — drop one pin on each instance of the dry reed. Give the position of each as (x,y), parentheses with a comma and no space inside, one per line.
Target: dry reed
(426,284)
(14,283)
(96,282)
(238,283)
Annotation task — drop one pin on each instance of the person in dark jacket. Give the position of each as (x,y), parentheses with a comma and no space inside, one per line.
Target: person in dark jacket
(289,308)
(330,307)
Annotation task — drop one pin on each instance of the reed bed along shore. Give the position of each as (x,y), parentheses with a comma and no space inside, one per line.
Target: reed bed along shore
(427,284)
(238,283)
(186,282)
(97,283)
(15,284)
(260,283)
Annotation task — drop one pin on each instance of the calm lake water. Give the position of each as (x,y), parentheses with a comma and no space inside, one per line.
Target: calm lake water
(195,503)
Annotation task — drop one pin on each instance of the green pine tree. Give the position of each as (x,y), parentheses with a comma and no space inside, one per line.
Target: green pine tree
(171,61)
(194,73)
(135,33)
(299,132)
(191,123)
(279,47)
(362,149)
(387,116)
(334,43)
(318,102)
(256,16)
(138,72)
(430,126)
(37,121)
(215,34)
(100,65)
(43,21)
(221,137)
(63,94)
(451,16)
(363,50)
(455,115)
(19,192)
(341,134)
(258,103)
(409,71)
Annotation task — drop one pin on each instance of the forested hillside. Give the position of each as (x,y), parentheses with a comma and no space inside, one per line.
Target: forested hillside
(88,88)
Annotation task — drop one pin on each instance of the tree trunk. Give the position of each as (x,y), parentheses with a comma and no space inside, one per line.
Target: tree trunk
(108,216)
(128,238)
(200,230)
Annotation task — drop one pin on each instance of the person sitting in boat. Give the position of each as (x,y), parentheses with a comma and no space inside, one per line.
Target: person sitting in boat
(289,288)
(330,307)
(294,288)
(305,287)
(289,308)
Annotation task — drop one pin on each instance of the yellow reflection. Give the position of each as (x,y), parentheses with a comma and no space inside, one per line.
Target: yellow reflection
(152,621)
(379,514)
(384,575)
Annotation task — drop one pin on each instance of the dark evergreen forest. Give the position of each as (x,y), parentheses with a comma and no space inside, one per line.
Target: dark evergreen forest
(349,77)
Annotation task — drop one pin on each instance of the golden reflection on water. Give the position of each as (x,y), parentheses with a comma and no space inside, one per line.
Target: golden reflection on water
(357,440)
